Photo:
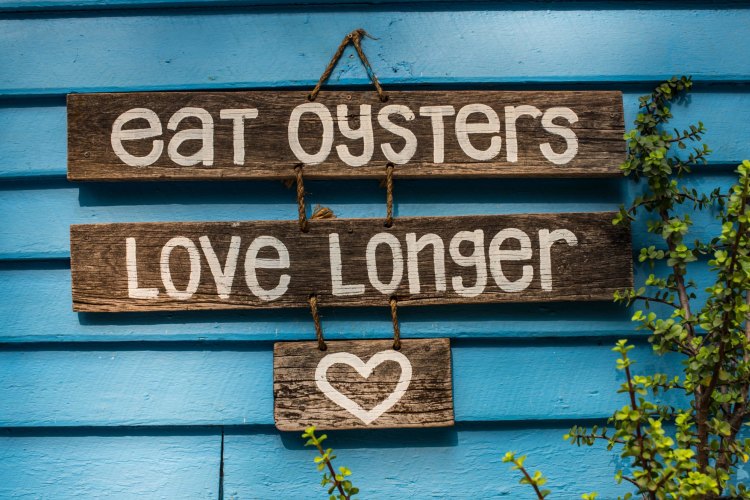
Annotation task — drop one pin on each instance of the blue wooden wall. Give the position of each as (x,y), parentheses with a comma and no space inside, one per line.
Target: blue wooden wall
(156,405)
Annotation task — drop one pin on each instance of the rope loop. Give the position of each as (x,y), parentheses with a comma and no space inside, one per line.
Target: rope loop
(316,320)
(389,195)
(394,319)
(302,213)
(355,38)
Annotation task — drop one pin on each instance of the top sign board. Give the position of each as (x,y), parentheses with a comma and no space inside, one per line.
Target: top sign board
(266,134)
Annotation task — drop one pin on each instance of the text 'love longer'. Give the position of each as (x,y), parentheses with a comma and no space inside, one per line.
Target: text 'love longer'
(348,262)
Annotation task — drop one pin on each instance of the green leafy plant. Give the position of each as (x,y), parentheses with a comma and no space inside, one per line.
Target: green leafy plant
(536,480)
(334,481)
(693,450)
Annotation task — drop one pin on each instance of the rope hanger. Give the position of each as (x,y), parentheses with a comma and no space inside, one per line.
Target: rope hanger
(393,302)
(354,38)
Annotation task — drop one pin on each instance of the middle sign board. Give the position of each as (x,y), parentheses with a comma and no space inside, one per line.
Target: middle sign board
(349,262)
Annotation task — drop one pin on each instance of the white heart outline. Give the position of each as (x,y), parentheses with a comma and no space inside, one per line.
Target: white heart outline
(365,370)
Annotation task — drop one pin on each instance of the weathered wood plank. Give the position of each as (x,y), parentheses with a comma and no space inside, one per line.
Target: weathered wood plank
(23,155)
(348,262)
(362,384)
(265,134)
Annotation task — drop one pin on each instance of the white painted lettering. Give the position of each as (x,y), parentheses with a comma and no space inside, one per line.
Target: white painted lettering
(131,265)
(410,140)
(513,113)
(338,288)
(205,134)
(413,247)
(564,132)
(238,117)
(195,268)
(436,114)
(372,264)
(252,262)
(293,131)
(364,132)
(546,240)
(476,259)
(222,277)
(118,135)
(463,129)
(497,256)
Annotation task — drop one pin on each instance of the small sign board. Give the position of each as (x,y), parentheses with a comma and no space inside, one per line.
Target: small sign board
(266,134)
(362,384)
(349,262)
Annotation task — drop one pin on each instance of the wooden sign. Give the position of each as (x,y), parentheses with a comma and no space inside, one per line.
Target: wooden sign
(362,384)
(348,262)
(265,134)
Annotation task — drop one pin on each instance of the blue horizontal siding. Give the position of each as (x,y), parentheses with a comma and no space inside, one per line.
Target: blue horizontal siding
(79,412)
(245,48)
(23,121)
(37,307)
(116,465)
(143,385)
(63,5)
(50,207)
(461,463)
(37,214)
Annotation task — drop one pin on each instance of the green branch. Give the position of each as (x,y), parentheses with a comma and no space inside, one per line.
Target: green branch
(334,481)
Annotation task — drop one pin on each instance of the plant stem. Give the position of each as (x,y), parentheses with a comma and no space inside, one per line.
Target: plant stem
(705,402)
(682,294)
(618,441)
(652,299)
(631,391)
(680,283)
(740,409)
(632,481)
(531,482)
(333,473)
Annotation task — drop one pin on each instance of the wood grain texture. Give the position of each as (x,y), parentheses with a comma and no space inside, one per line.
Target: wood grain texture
(268,155)
(416,392)
(592,269)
